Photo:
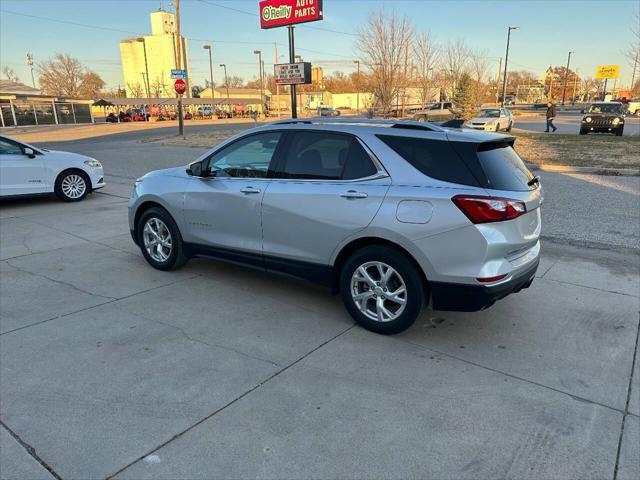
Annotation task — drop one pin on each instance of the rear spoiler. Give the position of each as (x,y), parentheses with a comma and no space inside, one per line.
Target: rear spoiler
(455,123)
(493,144)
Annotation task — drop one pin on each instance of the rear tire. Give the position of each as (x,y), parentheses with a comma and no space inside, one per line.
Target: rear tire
(72,186)
(160,240)
(382,289)
(619,132)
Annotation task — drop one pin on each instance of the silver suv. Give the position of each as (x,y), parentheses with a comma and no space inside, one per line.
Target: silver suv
(393,215)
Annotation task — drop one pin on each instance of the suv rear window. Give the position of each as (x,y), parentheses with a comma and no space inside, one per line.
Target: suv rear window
(504,168)
(435,158)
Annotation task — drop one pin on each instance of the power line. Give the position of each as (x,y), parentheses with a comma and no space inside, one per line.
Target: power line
(67,22)
(253,14)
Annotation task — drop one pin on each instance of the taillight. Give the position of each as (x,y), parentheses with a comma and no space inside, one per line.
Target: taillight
(489,209)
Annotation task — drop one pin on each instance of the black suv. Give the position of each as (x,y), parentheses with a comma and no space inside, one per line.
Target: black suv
(603,117)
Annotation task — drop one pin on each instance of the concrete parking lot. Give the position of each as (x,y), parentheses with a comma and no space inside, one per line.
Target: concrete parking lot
(109,368)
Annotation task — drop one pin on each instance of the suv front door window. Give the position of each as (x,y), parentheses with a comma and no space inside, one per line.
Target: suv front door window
(223,209)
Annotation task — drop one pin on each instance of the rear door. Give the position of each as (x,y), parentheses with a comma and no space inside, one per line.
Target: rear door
(327,188)
(20,174)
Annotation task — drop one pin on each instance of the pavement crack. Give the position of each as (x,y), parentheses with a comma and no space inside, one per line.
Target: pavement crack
(591,288)
(577,398)
(31,451)
(61,282)
(626,407)
(213,345)
(237,399)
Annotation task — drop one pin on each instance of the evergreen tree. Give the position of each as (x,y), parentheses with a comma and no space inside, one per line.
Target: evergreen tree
(463,98)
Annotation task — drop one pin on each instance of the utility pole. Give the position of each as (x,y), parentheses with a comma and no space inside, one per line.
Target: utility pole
(498,82)
(180,119)
(566,77)
(404,89)
(33,81)
(292,59)
(633,75)
(208,47)
(259,53)
(226,83)
(506,60)
(277,84)
(357,62)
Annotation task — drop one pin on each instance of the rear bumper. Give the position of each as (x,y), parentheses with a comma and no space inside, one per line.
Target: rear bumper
(471,298)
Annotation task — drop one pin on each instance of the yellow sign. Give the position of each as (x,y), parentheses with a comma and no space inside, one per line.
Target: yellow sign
(607,71)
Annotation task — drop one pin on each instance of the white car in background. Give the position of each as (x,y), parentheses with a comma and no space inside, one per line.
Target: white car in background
(492,120)
(28,170)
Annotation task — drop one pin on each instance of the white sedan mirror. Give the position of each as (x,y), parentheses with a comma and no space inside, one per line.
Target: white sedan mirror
(29,152)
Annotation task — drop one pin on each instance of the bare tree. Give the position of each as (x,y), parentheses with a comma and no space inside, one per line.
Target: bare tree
(158,87)
(455,59)
(633,50)
(10,74)
(234,82)
(383,44)
(64,76)
(479,67)
(426,55)
(134,90)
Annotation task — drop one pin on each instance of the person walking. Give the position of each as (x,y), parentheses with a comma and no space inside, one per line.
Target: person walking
(551,114)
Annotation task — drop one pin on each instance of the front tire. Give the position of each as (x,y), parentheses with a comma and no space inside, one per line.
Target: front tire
(72,186)
(382,289)
(160,240)
(509,127)
(583,131)
(619,132)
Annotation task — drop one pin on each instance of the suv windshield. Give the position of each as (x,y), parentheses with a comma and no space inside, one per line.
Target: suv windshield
(491,113)
(605,108)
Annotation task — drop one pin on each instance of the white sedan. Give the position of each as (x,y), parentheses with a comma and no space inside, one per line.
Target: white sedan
(27,170)
(492,120)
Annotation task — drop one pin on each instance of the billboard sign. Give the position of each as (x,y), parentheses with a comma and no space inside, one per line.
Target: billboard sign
(607,71)
(177,73)
(279,13)
(292,73)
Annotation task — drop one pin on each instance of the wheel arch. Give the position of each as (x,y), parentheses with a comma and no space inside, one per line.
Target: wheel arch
(367,241)
(143,207)
(79,170)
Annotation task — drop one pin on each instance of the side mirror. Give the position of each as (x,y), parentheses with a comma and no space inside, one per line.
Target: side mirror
(29,152)
(195,169)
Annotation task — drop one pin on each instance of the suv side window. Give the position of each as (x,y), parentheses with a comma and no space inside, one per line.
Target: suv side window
(326,156)
(246,158)
(447,105)
(435,158)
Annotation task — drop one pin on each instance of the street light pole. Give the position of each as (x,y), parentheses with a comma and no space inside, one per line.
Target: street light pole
(226,83)
(357,62)
(208,47)
(506,59)
(566,77)
(33,80)
(259,53)
(292,59)
(180,119)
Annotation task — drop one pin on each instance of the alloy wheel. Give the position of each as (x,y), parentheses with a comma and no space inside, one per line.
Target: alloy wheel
(157,239)
(378,291)
(73,186)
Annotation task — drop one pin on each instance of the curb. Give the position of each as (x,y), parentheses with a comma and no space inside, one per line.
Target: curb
(618,172)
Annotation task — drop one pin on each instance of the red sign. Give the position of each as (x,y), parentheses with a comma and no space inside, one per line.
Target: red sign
(179,86)
(278,13)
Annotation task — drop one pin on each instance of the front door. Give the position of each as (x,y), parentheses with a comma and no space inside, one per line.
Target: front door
(20,174)
(222,209)
(326,189)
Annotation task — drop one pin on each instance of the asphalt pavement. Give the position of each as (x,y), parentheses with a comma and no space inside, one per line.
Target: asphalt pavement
(570,124)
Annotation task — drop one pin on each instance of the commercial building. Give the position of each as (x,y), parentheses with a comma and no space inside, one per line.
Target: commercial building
(238,96)
(147,61)
(22,105)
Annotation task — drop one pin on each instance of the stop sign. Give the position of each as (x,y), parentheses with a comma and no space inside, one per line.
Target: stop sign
(179,86)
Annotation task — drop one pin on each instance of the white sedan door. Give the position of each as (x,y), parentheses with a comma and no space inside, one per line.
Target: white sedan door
(20,174)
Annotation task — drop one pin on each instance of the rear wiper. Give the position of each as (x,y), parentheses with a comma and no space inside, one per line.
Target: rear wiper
(535,179)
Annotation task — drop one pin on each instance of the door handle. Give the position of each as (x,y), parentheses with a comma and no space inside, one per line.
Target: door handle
(353,194)
(250,190)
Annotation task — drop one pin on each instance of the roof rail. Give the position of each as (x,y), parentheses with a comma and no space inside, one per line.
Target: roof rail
(409,124)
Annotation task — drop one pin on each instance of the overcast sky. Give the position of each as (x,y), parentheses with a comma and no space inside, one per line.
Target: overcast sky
(598,31)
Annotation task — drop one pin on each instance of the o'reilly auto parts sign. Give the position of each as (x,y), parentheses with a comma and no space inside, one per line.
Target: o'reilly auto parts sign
(292,73)
(278,13)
